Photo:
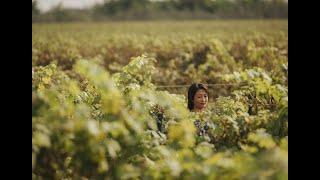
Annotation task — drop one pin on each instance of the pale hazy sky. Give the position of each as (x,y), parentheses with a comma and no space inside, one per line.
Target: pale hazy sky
(45,5)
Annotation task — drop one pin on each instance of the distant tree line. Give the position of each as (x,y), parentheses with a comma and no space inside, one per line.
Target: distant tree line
(166,9)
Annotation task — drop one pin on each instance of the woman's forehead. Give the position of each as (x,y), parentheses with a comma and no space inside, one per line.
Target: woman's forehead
(201,91)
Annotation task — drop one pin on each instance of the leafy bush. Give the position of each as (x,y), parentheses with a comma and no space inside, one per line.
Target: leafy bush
(69,140)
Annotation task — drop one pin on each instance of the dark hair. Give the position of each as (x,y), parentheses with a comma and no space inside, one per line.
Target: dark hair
(192,92)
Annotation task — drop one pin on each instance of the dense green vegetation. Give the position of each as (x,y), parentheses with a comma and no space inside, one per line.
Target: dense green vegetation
(97,111)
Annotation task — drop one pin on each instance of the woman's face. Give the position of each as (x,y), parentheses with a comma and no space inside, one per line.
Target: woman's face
(200,99)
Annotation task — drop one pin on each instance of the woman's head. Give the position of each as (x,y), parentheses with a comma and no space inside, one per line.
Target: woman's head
(198,97)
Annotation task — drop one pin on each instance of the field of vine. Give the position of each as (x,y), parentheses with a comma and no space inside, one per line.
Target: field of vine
(104,105)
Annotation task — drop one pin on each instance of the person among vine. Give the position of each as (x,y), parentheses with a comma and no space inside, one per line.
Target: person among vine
(198,97)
